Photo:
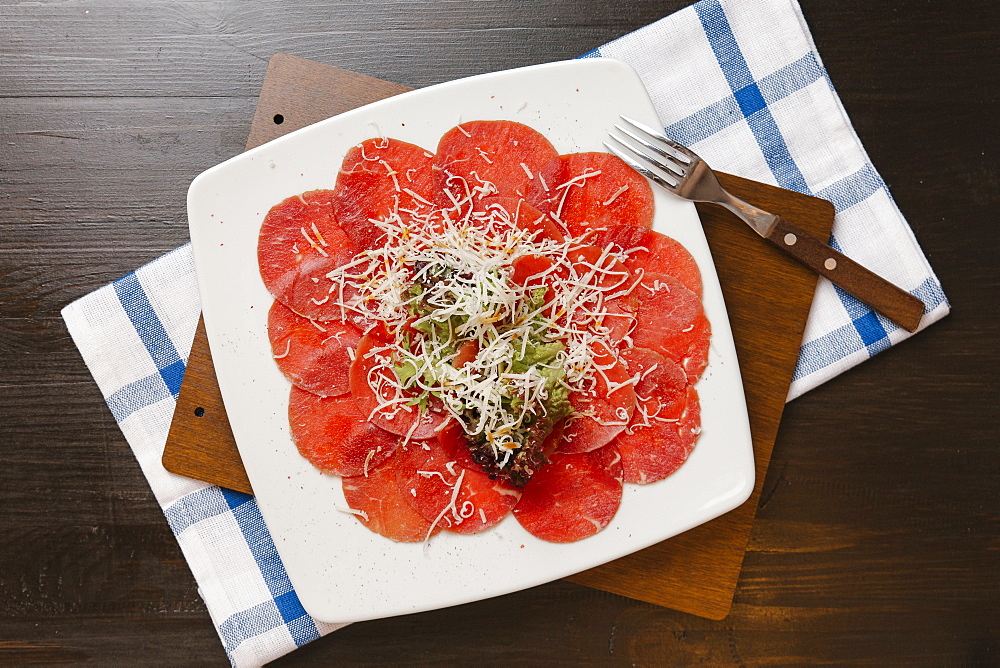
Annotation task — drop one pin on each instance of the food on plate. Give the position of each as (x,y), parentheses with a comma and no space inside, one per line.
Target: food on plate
(487,329)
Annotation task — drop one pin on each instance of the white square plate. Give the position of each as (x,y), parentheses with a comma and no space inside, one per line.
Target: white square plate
(341,571)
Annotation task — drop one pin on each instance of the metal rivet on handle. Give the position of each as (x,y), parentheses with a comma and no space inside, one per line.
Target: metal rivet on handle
(830,264)
(790,239)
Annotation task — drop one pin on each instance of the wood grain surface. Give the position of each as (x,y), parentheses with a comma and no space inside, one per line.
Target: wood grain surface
(878,525)
(767,295)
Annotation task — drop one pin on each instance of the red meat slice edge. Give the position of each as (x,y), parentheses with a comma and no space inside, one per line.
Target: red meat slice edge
(624,237)
(574,497)
(380,177)
(428,474)
(653,452)
(599,201)
(453,442)
(660,254)
(300,242)
(614,409)
(670,320)
(535,271)
(385,510)
(478,153)
(603,269)
(369,366)
(313,356)
(527,217)
(335,435)
(660,390)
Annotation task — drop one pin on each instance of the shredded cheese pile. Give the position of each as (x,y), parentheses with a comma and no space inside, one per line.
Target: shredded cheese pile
(441,286)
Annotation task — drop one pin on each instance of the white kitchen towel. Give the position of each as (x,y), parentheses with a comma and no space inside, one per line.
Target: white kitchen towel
(739,81)
(742,84)
(135,335)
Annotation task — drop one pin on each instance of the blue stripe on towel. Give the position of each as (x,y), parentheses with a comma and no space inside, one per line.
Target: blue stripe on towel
(137,395)
(286,602)
(151,331)
(870,326)
(748,96)
(720,115)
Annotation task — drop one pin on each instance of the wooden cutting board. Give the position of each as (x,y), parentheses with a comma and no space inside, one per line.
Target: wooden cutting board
(768,296)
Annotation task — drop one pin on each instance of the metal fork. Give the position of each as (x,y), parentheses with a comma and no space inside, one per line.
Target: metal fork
(679,170)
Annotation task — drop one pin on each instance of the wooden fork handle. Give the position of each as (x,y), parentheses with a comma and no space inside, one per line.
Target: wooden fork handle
(894,303)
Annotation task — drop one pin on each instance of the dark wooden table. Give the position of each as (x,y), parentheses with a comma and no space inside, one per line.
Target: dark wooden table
(878,534)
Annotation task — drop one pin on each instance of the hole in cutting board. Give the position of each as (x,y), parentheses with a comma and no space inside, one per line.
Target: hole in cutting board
(278,119)
(199,412)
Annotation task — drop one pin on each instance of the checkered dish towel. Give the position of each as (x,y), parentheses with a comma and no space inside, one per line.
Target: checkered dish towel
(739,81)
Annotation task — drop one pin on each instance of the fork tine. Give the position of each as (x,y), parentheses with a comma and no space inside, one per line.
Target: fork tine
(669,161)
(642,164)
(685,154)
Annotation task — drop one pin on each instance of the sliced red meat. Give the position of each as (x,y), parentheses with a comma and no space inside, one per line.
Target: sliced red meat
(314,356)
(536,271)
(379,504)
(609,458)
(482,160)
(606,408)
(624,237)
(574,497)
(501,211)
(661,254)
(697,359)
(460,499)
(453,441)
(660,391)
(670,320)
(617,195)
(467,352)
(372,372)
(380,177)
(654,452)
(300,242)
(335,435)
(527,217)
(600,268)
(619,318)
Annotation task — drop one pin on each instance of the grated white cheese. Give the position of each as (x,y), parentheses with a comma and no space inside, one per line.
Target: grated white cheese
(463,257)
(288,348)
(352,511)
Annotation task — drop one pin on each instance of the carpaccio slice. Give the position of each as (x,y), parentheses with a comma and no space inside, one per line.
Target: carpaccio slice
(598,264)
(453,442)
(377,178)
(660,390)
(623,238)
(615,195)
(299,243)
(535,271)
(379,504)
(671,321)
(660,254)
(619,306)
(611,403)
(335,435)
(314,356)
(428,477)
(399,418)
(574,497)
(651,453)
(483,160)
(528,218)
